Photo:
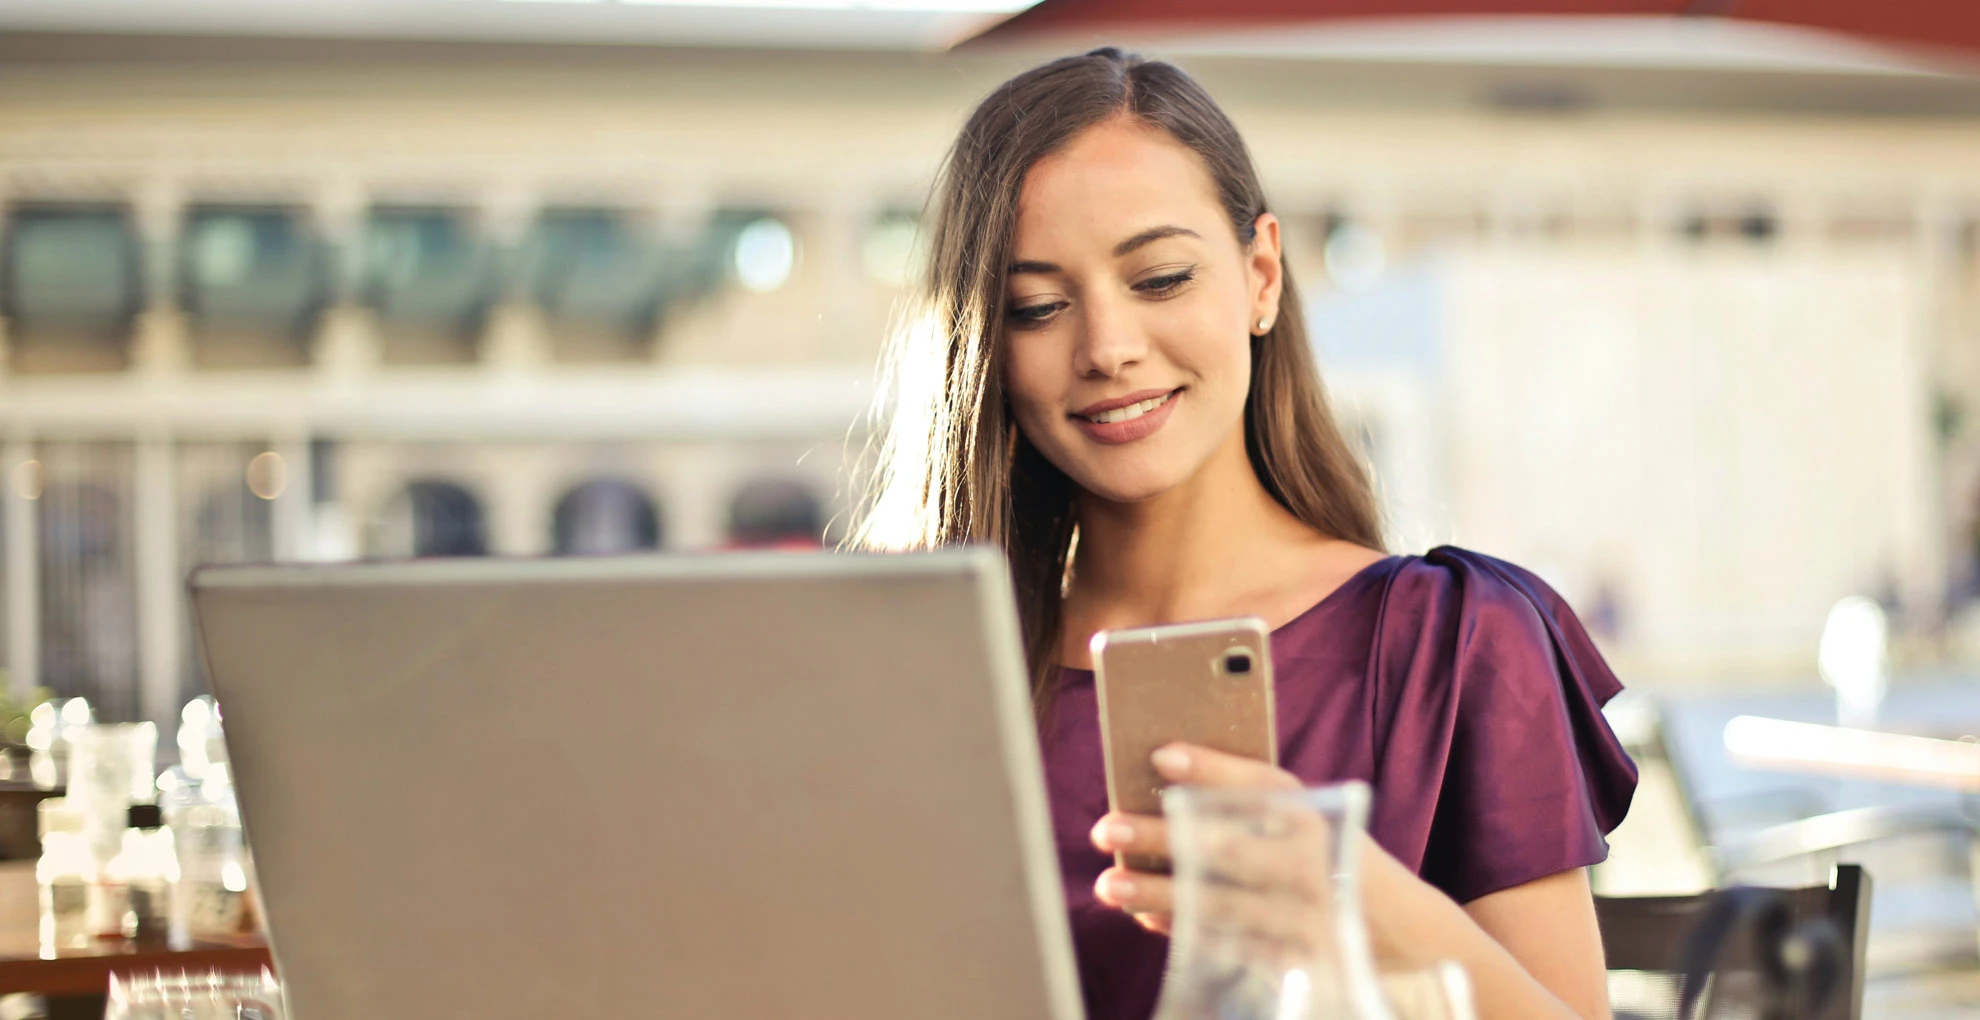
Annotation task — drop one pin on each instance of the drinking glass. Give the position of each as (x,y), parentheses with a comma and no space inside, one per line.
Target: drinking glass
(184,996)
(1268,922)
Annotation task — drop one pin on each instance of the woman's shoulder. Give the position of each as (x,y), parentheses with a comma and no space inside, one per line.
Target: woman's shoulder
(1490,697)
(1478,616)
(1448,572)
(1443,589)
(1488,595)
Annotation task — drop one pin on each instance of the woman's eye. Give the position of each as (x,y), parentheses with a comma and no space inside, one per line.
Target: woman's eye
(1161,286)
(1035,314)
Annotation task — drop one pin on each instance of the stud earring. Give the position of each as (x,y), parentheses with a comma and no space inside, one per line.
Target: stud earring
(1264,324)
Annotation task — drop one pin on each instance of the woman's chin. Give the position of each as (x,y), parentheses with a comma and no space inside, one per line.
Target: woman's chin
(1115,488)
(1132,474)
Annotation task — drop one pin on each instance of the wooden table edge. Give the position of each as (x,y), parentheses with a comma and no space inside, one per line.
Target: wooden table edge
(90,975)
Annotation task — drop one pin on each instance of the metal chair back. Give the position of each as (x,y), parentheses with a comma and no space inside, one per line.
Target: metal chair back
(1645,940)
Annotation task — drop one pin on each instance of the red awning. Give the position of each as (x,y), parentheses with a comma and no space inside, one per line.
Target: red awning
(1944,25)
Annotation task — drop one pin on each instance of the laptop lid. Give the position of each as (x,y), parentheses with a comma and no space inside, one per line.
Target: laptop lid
(736,786)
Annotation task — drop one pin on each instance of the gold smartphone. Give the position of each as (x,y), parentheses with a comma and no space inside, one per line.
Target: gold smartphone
(1206,683)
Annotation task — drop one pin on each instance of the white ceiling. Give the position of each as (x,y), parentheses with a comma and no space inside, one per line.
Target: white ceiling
(810,24)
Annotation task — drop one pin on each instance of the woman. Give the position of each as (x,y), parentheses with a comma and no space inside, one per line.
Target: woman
(1110,378)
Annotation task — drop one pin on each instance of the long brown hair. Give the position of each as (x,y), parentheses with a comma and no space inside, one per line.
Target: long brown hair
(952,465)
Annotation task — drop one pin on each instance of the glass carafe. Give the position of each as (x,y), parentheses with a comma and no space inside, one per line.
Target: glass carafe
(1268,922)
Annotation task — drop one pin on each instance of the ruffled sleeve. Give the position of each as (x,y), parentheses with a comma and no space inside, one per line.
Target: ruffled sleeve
(1495,765)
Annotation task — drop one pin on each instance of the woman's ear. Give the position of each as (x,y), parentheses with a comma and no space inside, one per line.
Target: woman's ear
(1267,272)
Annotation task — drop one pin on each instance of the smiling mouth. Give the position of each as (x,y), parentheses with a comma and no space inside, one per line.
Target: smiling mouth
(1130,412)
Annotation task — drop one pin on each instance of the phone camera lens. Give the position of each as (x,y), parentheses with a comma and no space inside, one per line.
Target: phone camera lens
(1237,663)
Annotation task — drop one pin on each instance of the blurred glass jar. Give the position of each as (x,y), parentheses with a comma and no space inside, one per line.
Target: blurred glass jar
(145,869)
(200,740)
(183,996)
(201,745)
(48,738)
(111,767)
(1268,922)
(63,875)
(211,902)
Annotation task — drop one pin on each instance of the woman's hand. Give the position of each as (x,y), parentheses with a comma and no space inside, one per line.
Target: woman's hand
(1279,893)
(1268,876)
(1532,951)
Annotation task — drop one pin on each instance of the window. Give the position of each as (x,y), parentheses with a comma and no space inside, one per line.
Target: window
(431,282)
(597,276)
(253,282)
(70,288)
(88,585)
(888,248)
(765,254)
(1354,254)
(607,282)
(605,515)
(1752,222)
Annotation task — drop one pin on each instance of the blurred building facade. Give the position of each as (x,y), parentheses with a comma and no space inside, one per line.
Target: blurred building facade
(1702,365)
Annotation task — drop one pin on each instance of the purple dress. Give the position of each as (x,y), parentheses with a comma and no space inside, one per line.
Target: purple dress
(1460,687)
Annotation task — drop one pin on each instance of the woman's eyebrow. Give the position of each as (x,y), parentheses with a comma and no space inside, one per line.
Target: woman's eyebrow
(1149,236)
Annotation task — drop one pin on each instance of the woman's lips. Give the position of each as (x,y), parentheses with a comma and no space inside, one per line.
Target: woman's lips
(1118,432)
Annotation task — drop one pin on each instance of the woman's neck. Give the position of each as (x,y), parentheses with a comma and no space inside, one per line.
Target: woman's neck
(1199,550)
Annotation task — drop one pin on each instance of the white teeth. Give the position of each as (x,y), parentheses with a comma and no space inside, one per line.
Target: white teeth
(1132,411)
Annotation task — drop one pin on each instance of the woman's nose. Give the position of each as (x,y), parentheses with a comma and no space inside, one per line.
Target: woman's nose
(1110,340)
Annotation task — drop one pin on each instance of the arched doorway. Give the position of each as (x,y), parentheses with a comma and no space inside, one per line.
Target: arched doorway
(776,513)
(431,518)
(605,515)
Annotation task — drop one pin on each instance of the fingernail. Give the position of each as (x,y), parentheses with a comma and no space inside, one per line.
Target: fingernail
(1119,889)
(1172,761)
(1115,834)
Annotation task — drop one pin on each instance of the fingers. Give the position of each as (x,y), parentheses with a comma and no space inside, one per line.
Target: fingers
(1136,892)
(1201,766)
(1262,916)
(1293,862)
(1292,856)
(1138,835)
(1264,919)
(1266,875)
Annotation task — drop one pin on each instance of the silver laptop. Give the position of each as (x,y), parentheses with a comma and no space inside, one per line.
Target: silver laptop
(738,787)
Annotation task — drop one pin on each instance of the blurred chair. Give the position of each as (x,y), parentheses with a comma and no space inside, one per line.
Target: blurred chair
(1645,937)
(1662,847)
(1674,842)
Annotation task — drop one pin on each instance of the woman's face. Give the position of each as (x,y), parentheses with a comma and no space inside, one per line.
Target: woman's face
(1130,308)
